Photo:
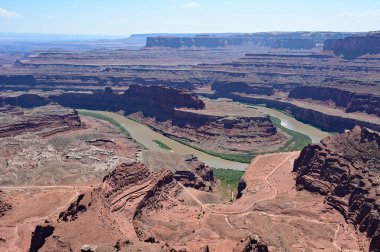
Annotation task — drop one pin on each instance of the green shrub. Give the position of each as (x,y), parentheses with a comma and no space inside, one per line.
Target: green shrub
(228,177)
(298,140)
(162,145)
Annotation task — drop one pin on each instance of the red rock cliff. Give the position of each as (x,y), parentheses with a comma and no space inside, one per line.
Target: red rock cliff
(355,46)
(346,168)
(44,120)
(160,101)
(352,102)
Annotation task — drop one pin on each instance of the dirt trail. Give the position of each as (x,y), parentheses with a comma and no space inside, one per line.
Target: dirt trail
(226,214)
(249,209)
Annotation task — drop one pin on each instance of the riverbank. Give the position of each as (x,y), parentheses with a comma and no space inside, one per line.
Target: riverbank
(297,141)
(288,121)
(325,118)
(145,135)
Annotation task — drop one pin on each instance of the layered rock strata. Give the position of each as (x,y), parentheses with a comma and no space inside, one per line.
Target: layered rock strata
(220,127)
(128,195)
(350,101)
(226,87)
(275,40)
(158,99)
(154,100)
(345,169)
(323,117)
(45,120)
(197,175)
(179,113)
(355,46)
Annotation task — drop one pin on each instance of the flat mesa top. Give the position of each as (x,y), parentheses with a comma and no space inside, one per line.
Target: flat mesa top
(10,115)
(225,107)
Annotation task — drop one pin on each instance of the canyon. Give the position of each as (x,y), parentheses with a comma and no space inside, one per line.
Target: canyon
(289,79)
(74,176)
(208,124)
(92,177)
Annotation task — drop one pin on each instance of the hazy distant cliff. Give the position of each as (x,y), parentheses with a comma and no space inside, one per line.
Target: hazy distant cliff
(355,46)
(218,41)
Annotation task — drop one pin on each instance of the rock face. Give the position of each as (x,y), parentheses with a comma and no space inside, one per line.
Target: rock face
(319,118)
(329,44)
(218,130)
(132,181)
(181,114)
(351,101)
(295,43)
(126,193)
(154,100)
(228,130)
(346,168)
(74,209)
(226,87)
(45,120)
(27,101)
(269,40)
(198,175)
(251,244)
(355,46)
(161,98)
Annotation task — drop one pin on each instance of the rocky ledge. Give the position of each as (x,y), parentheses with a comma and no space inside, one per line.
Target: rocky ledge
(220,127)
(196,175)
(161,99)
(355,46)
(251,244)
(346,169)
(350,101)
(129,196)
(45,120)
(290,41)
(152,100)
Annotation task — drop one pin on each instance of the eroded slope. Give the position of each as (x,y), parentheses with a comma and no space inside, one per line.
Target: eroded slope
(345,169)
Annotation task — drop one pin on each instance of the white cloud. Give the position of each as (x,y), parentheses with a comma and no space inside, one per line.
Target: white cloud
(8,14)
(192,5)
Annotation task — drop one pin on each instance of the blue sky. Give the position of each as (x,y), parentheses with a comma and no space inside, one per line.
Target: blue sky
(123,17)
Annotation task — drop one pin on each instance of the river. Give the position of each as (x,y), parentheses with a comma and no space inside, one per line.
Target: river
(289,122)
(145,135)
